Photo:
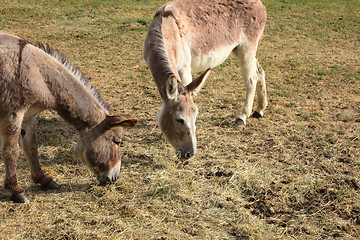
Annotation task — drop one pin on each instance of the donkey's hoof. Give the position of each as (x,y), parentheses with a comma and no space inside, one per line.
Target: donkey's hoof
(256,115)
(20,198)
(51,186)
(239,122)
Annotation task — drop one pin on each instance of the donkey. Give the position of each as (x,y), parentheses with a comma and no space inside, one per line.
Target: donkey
(191,36)
(34,78)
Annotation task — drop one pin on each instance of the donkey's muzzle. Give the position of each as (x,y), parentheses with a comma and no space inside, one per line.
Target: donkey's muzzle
(184,155)
(111,176)
(105,179)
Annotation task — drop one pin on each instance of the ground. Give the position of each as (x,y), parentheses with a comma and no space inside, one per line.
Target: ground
(294,174)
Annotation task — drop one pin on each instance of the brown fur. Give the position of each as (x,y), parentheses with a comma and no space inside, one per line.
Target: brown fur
(220,22)
(190,36)
(35,78)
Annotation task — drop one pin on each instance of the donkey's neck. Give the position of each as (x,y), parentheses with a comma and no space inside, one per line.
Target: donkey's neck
(160,56)
(74,102)
(80,110)
(74,98)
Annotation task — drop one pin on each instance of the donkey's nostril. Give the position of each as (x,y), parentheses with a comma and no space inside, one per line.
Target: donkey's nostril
(188,155)
(108,180)
(184,155)
(113,179)
(104,179)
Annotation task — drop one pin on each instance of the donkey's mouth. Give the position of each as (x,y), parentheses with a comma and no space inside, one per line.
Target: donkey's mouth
(105,179)
(178,154)
(111,176)
(184,155)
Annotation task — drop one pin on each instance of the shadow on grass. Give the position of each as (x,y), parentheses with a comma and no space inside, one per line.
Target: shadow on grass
(137,159)
(55,132)
(35,189)
(32,191)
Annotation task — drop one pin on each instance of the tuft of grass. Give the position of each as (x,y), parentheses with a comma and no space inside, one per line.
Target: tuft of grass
(344,117)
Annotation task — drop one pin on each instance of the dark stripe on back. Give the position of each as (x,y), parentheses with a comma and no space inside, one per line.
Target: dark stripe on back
(22,43)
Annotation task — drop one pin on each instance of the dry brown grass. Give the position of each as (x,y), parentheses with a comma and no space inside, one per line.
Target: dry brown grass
(295,174)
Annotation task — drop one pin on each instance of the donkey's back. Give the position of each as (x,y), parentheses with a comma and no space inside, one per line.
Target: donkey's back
(209,25)
(9,58)
(27,76)
(9,41)
(9,72)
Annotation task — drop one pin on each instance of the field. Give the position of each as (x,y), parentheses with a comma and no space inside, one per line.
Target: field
(294,174)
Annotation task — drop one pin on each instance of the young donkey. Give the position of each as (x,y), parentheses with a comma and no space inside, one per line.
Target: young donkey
(34,78)
(190,36)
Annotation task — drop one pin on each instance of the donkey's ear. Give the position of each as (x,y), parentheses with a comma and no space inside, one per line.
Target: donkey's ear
(172,88)
(128,123)
(195,86)
(119,121)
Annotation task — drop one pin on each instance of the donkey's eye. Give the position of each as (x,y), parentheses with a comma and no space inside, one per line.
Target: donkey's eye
(181,121)
(117,141)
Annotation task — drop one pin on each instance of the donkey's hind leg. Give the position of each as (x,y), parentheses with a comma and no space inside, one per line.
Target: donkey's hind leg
(10,131)
(29,145)
(260,92)
(248,65)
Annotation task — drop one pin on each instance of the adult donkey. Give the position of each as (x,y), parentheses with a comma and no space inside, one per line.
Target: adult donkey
(35,78)
(190,36)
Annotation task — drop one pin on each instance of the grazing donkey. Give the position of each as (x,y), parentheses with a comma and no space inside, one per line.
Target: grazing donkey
(191,36)
(35,78)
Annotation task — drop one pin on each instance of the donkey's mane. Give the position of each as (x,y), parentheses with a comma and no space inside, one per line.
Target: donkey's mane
(73,70)
(158,45)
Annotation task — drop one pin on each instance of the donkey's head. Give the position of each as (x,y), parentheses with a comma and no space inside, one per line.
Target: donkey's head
(100,147)
(178,115)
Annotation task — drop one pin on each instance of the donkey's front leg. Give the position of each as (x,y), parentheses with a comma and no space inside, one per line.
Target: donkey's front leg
(29,145)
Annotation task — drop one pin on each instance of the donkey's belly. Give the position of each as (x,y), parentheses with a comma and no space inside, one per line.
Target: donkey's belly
(211,59)
(32,111)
